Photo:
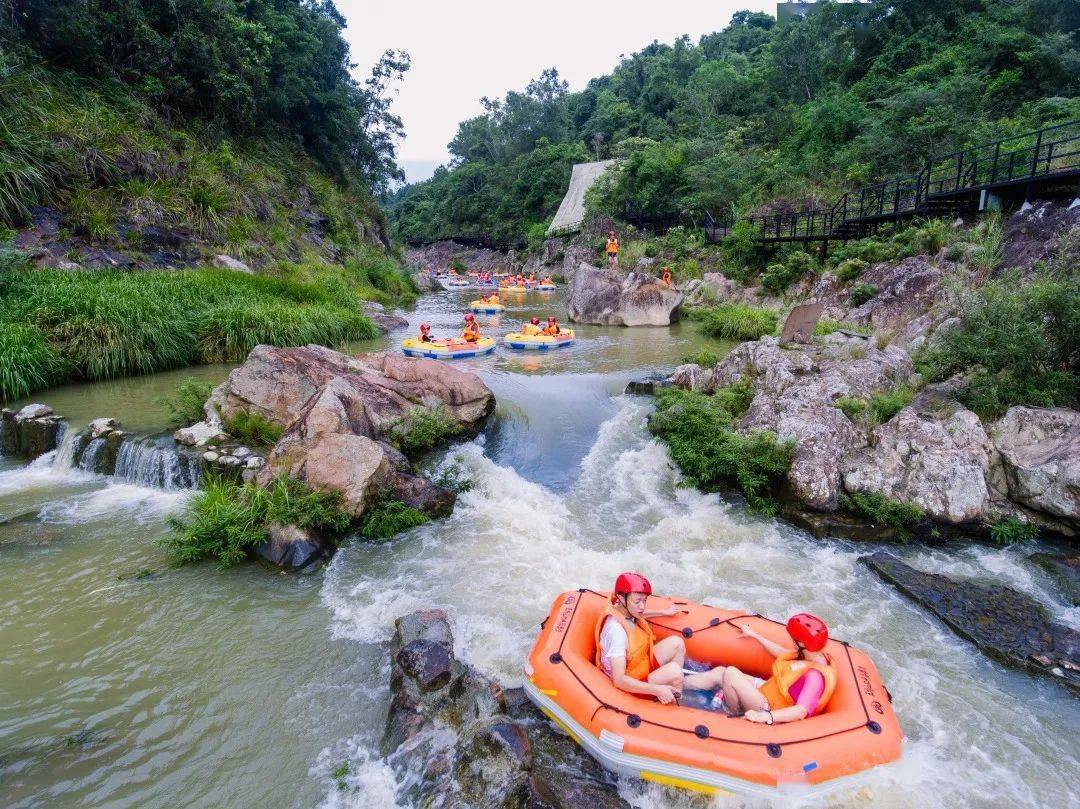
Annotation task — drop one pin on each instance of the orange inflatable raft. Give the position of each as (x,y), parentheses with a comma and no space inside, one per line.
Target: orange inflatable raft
(707,751)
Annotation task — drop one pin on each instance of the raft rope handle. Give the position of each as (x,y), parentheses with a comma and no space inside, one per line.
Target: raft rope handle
(617,710)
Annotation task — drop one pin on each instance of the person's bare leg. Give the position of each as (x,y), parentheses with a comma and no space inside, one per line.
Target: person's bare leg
(706,680)
(740,694)
(669,650)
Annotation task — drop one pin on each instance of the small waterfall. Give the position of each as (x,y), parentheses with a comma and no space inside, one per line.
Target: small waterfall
(90,459)
(154,461)
(65,447)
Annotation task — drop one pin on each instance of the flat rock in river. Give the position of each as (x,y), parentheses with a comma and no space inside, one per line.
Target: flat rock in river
(1007,625)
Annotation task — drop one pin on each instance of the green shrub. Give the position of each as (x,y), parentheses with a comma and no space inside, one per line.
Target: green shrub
(849,269)
(27,361)
(883,406)
(826,326)
(1021,338)
(388,518)
(851,407)
(422,429)
(705,358)
(700,436)
(1009,530)
(989,250)
(186,406)
(880,510)
(252,428)
(735,321)
(778,277)
(861,293)
(224,521)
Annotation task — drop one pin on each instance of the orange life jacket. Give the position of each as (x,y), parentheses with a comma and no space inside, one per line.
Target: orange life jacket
(786,671)
(471,333)
(612,245)
(551,329)
(640,660)
(667,276)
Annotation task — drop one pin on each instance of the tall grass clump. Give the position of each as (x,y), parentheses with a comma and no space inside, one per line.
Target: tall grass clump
(27,361)
(1019,342)
(224,521)
(735,321)
(112,323)
(252,428)
(699,432)
(185,407)
(388,518)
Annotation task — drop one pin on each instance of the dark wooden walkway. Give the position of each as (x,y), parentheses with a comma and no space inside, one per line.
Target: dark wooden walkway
(1044,162)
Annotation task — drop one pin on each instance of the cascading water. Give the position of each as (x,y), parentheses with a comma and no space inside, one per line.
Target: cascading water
(155,461)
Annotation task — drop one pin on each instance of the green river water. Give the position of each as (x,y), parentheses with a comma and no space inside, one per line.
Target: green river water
(246,688)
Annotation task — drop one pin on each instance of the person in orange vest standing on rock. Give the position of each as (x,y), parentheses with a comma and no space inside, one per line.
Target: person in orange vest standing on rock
(612,250)
(666,277)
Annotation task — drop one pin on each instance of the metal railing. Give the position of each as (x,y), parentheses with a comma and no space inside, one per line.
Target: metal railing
(1050,153)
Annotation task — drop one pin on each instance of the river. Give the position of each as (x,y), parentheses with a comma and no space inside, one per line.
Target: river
(124,683)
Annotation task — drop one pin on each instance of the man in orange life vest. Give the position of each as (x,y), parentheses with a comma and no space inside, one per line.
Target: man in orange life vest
(629,654)
(802,681)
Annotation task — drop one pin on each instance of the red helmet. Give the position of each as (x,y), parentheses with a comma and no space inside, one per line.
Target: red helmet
(469,316)
(628,583)
(551,318)
(809,630)
(425,327)
(535,321)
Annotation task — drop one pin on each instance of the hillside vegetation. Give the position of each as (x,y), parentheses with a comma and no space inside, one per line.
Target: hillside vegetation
(141,139)
(759,113)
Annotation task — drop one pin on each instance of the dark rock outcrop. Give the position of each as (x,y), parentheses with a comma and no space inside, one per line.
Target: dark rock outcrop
(1005,624)
(292,547)
(468,743)
(605,297)
(1035,233)
(29,432)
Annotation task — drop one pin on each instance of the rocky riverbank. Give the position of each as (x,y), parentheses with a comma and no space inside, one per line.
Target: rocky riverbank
(932,453)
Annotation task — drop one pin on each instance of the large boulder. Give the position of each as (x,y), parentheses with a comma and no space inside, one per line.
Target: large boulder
(353,466)
(937,456)
(378,389)
(1040,450)
(1005,624)
(607,298)
(906,290)
(795,390)
(466,742)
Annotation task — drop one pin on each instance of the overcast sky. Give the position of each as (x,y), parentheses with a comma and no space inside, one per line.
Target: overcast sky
(466,49)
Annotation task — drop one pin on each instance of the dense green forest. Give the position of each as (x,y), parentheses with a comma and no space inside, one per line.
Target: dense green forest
(759,113)
(157,134)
